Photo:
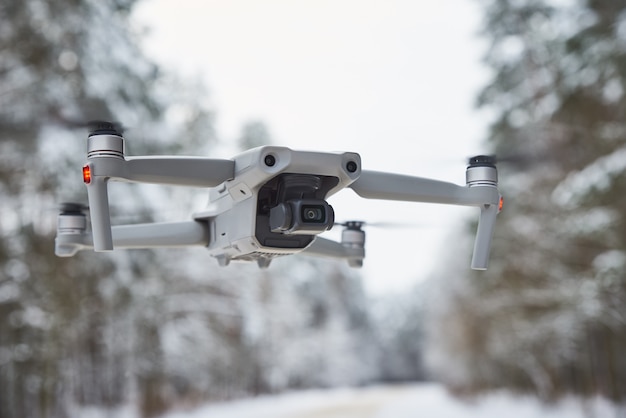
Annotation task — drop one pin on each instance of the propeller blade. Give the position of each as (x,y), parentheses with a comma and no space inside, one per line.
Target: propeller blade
(72,207)
(99,127)
(386,225)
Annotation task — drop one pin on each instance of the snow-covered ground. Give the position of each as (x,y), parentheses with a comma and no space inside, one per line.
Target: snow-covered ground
(419,400)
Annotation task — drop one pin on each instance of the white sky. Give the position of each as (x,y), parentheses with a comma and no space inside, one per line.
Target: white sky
(394,80)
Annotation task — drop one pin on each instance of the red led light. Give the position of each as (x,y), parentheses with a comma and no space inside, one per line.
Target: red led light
(87,174)
(501,204)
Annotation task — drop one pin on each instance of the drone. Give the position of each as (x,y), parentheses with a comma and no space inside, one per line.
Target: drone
(264,203)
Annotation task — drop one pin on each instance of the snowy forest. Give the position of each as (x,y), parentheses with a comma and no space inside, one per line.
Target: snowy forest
(165,328)
(548,317)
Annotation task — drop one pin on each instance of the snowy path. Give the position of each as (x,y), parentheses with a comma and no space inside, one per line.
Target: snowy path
(419,400)
(365,403)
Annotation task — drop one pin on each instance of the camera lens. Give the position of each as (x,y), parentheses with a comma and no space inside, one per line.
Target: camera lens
(313,214)
(302,217)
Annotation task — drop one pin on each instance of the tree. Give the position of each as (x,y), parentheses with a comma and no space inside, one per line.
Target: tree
(547,318)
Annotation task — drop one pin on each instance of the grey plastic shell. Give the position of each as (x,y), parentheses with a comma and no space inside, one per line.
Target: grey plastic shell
(182,171)
(154,235)
(481,192)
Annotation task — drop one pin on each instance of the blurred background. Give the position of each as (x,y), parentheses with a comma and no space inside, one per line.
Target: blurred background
(413,89)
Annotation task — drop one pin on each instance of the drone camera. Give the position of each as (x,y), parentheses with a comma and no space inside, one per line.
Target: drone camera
(313,214)
(302,216)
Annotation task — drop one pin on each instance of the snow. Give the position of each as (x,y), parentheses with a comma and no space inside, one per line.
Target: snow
(613,259)
(597,176)
(428,399)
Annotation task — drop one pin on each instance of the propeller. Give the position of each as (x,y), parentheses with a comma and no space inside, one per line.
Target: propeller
(102,127)
(93,126)
(72,208)
(514,158)
(358,225)
(482,161)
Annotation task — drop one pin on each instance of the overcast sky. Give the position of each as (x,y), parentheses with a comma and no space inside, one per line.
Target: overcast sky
(394,80)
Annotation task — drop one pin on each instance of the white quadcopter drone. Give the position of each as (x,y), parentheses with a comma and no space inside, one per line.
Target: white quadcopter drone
(266,202)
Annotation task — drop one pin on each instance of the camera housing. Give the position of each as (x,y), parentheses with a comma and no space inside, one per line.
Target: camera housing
(301,216)
(292,209)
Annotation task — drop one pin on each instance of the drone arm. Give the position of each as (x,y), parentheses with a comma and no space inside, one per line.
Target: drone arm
(179,171)
(183,171)
(480,191)
(322,247)
(389,186)
(154,235)
(166,234)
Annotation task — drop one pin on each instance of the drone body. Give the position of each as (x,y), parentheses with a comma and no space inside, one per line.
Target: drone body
(266,202)
(276,202)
